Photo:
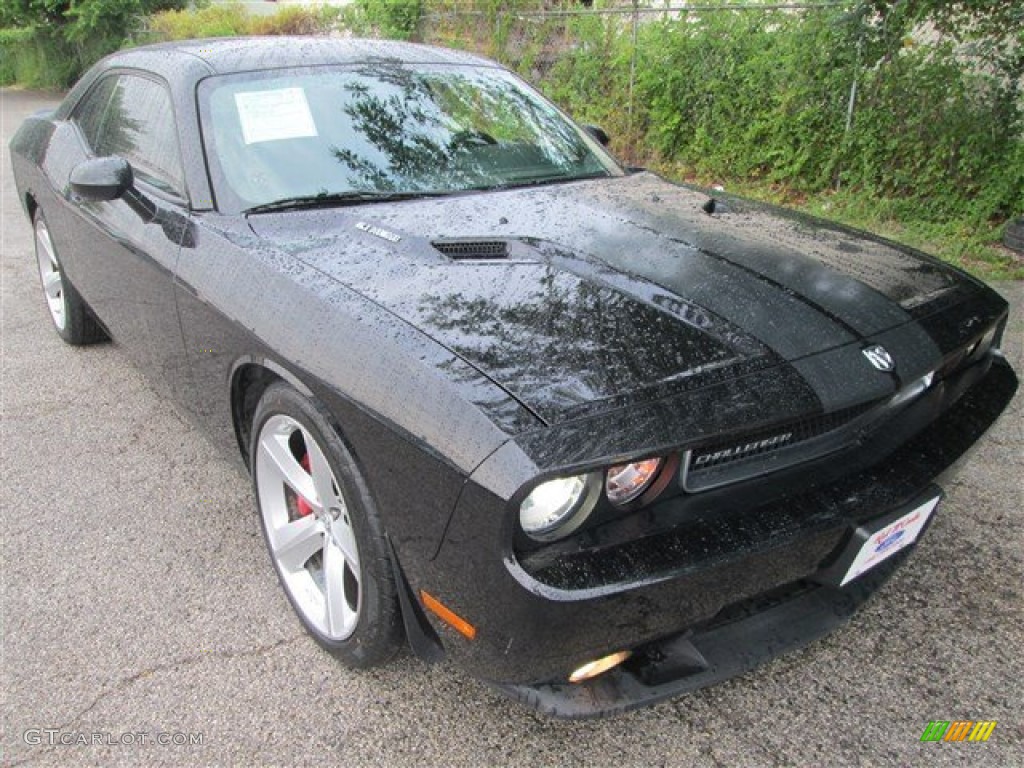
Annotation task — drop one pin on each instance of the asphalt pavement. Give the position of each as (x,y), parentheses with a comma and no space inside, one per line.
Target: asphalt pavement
(138,604)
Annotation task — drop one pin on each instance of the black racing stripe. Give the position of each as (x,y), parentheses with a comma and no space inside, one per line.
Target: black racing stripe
(803,298)
(778,318)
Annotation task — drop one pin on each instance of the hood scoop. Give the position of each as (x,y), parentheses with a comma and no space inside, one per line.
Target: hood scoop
(472,250)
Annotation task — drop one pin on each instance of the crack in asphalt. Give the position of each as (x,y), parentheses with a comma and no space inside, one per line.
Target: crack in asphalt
(129,681)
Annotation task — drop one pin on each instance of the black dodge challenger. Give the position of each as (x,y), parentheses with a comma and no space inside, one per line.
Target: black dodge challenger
(599,438)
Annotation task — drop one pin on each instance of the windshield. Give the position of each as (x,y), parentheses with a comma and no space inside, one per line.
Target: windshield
(382,128)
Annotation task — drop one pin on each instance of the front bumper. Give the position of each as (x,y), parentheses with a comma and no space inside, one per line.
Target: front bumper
(739,639)
(737,587)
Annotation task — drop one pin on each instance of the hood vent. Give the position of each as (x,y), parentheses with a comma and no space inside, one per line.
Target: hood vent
(472,250)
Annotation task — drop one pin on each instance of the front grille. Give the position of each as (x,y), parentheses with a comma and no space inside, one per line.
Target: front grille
(764,441)
(752,453)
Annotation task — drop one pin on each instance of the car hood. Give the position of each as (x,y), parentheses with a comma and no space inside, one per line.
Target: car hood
(588,295)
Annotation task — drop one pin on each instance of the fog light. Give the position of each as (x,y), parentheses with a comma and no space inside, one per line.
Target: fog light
(594,668)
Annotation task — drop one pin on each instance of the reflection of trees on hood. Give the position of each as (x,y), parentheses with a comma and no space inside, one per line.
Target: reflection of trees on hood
(571,338)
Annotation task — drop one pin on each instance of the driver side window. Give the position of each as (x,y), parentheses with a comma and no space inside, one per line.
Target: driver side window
(131,116)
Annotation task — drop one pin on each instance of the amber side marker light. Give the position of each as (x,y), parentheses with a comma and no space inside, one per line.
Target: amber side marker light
(447,615)
(598,667)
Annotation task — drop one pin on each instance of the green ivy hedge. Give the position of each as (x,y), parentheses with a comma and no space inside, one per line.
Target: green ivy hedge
(766,96)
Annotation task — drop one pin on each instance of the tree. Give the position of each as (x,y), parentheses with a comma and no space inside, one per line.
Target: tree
(391,18)
(58,39)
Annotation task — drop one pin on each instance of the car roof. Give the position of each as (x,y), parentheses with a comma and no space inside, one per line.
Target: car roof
(178,59)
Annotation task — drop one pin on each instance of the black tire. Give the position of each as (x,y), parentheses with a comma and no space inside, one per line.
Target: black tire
(71,316)
(1013,235)
(377,634)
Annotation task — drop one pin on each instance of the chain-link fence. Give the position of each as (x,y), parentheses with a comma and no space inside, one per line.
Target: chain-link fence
(532,41)
(815,95)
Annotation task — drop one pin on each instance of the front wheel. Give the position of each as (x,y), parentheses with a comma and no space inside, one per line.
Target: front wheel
(71,316)
(322,530)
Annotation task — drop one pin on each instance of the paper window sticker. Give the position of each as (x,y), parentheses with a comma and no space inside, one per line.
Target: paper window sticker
(273,115)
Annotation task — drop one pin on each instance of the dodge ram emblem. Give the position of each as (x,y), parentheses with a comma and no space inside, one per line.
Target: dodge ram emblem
(879,357)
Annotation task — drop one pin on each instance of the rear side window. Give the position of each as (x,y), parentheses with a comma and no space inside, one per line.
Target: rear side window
(132,116)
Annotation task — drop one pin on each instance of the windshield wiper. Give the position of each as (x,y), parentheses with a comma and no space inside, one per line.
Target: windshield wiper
(328,199)
(540,181)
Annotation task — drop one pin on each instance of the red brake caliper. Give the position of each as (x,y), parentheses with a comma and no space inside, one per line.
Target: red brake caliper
(302,506)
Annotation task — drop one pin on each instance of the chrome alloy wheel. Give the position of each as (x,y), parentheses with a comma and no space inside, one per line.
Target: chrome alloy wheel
(309,528)
(49,273)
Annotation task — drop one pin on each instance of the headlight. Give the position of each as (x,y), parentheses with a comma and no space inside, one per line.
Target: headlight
(627,481)
(557,507)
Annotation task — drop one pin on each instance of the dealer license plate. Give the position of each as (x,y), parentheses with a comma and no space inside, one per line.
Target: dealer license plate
(887,541)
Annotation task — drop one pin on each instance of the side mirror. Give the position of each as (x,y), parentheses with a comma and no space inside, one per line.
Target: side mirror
(103,178)
(598,133)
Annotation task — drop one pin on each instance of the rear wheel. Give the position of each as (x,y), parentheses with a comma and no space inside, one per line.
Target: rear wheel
(322,530)
(71,316)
